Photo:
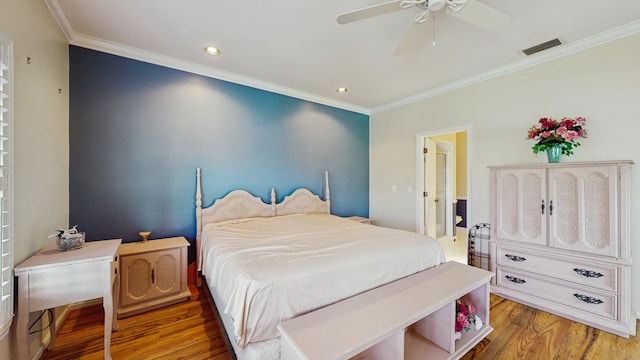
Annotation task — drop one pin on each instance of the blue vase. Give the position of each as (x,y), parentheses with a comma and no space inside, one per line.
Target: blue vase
(553,153)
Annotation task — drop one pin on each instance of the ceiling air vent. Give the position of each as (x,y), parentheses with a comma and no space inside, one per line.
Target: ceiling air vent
(540,47)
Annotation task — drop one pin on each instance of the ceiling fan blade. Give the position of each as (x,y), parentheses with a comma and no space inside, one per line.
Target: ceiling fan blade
(370,11)
(480,15)
(415,32)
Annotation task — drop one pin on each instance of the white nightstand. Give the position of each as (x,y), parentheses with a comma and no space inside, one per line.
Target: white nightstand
(153,274)
(360,219)
(54,278)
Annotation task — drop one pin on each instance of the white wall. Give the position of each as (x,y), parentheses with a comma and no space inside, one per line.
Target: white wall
(41,118)
(461,165)
(602,84)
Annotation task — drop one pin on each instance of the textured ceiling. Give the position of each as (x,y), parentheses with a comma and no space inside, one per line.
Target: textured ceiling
(297,48)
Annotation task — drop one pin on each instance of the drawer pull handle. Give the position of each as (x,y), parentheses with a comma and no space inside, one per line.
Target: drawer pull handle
(542,207)
(588,273)
(515,257)
(588,299)
(515,280)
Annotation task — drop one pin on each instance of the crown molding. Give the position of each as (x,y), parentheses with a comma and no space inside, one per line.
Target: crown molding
(533,60)
(134,53)
(146,56)
(61,18)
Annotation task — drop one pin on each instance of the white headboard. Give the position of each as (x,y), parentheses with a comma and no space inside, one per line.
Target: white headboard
(303,201)
(240,204)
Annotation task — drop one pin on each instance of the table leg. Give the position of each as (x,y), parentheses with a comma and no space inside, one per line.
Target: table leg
(107,304)
(22,319)
(52,329)
(116,300)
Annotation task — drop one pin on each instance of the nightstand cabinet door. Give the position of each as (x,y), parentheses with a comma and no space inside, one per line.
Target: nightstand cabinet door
(150,275)
(167,274)
(153,274)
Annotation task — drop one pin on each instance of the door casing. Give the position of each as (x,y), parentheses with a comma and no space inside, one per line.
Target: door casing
(420,172)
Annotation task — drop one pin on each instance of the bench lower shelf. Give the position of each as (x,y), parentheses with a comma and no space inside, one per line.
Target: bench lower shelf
(418,347)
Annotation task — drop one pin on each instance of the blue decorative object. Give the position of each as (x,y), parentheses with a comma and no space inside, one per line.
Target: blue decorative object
(553,153)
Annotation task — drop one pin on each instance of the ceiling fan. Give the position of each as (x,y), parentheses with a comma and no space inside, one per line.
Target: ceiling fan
(471,11)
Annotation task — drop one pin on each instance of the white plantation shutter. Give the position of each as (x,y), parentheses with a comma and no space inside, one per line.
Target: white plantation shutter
(6,185)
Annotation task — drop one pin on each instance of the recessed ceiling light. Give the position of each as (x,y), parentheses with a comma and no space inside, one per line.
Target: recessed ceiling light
(342,89)
(212,50)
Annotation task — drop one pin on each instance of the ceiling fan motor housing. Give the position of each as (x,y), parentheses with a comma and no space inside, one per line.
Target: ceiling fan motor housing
(433,5)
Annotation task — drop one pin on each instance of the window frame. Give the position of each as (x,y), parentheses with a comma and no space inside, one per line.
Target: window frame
(7,280)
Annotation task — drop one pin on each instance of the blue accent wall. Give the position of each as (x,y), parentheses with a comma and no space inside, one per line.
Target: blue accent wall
(138,131)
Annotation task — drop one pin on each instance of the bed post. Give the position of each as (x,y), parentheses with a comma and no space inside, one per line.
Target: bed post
(327,192)
(198,227)
(273,202)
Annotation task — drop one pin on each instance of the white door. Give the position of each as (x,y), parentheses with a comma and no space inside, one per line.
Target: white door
(441,195)
(430,178)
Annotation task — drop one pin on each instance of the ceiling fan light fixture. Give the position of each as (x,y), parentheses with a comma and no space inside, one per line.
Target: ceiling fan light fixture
(455,5)
(212,50)
(435,5)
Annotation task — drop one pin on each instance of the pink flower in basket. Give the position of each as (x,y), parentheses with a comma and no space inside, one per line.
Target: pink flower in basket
(465,316)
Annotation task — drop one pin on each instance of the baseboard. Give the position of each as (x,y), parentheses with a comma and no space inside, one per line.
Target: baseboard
(39,353)
(80,305)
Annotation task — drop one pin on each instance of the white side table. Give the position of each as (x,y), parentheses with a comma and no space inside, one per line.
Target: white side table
(54,278)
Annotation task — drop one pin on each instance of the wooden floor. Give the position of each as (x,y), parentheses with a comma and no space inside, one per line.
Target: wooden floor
(190,331)
(183,331)
(522,332)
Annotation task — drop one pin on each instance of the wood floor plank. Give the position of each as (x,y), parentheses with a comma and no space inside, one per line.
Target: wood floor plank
(551,331)
(190,331)
(578,343)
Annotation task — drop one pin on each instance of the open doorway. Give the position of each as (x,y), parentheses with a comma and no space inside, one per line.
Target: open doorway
(443,188)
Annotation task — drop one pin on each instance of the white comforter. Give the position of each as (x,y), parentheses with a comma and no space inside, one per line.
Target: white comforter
(271,269)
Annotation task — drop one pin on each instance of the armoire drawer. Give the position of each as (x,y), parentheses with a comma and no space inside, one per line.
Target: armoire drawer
(599,276)
(562,292)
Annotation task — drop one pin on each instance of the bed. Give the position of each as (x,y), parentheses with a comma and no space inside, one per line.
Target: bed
(266,263)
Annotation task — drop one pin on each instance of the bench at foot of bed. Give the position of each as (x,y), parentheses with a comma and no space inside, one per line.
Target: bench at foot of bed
(411,318)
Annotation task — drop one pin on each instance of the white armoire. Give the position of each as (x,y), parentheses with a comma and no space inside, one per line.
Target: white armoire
(560,240)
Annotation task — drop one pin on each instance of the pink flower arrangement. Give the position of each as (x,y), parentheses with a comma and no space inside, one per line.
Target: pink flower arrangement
(564,133)
(465,316)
